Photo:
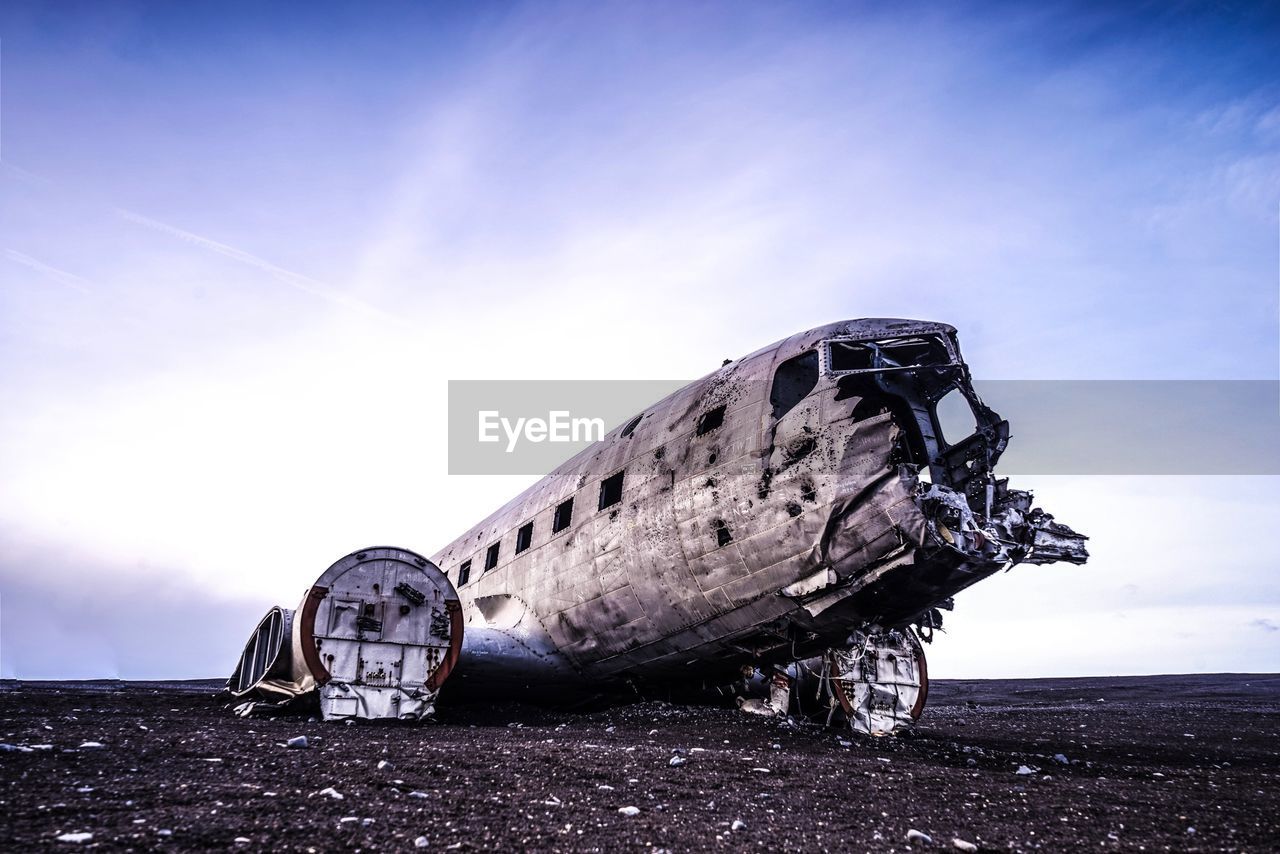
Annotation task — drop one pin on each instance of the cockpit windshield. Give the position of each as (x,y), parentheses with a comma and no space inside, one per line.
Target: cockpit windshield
(902,353)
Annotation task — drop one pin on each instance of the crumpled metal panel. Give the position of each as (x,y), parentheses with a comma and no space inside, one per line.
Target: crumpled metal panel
(342,700)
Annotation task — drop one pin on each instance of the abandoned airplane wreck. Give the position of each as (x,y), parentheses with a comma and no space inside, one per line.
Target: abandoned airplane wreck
(790,526)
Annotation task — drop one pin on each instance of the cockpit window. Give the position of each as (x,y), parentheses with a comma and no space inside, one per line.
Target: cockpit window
(955,417)
(909,351)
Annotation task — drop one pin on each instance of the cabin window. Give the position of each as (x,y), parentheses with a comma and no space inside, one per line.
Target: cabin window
(631,426)
(464,573)
(793,381)
(611,490)
(524,537)
(563,516)
(710,420)
(491,556)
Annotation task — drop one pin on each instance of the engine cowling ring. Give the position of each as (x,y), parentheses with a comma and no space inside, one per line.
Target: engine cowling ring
(379,632)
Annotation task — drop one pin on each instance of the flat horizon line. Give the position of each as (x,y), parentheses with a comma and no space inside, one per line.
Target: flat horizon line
(222,679)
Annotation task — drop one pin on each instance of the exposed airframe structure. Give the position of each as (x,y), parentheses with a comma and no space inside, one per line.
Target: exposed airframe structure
(797,516)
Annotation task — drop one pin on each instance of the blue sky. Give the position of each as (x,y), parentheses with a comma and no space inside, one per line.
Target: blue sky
(242,250)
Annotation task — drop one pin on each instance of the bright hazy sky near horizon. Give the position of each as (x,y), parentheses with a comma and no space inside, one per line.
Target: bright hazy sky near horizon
(243,247)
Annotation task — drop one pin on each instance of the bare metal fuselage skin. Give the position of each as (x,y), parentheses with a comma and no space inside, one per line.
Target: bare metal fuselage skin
(769,510)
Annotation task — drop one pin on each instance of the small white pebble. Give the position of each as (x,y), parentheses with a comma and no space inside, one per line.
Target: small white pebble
(962,845)
(74,837)
(629,811)
(914,835)
(421,842)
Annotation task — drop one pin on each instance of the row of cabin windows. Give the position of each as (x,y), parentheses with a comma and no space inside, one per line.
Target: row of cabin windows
(610,494)
(792,382)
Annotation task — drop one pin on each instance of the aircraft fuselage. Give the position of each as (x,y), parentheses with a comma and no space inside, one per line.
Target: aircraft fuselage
(757,516)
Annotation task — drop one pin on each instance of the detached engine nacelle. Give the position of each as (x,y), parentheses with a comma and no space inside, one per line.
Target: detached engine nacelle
(374,637)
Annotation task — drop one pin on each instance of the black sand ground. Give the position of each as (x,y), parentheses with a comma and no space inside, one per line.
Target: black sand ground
(1160,763)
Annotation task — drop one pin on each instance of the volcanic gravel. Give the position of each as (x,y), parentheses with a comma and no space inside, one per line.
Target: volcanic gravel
(1186,763)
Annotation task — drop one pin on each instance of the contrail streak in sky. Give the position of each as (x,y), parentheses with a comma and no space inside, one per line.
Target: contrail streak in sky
(62,277)
(294,280)
(288,277)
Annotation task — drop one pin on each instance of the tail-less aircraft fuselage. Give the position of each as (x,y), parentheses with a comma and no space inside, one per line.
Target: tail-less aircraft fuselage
(798,513)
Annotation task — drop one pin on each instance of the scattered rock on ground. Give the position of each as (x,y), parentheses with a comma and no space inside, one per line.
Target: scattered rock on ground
(74,837)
